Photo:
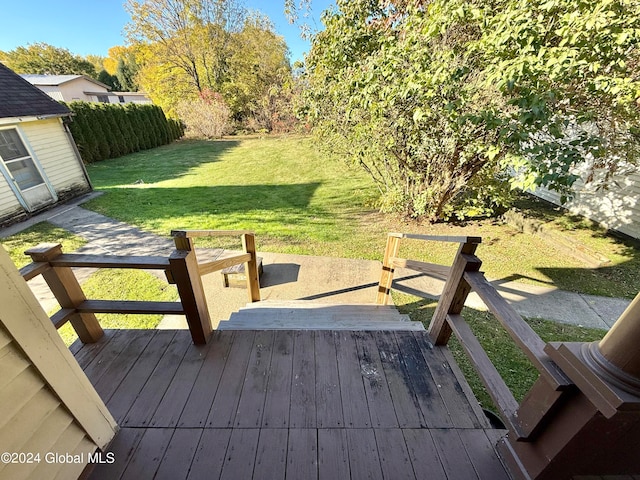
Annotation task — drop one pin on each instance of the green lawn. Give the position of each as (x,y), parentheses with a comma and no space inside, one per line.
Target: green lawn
(300,202)
(40,233)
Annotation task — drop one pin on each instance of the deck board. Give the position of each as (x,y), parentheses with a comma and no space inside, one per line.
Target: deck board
(287,404)
(198,404)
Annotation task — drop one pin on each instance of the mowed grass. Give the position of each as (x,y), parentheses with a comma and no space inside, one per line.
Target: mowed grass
(298,201)
(43,232)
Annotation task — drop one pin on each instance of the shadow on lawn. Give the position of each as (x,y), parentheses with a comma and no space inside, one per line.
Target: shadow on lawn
(139,205)
(163,163)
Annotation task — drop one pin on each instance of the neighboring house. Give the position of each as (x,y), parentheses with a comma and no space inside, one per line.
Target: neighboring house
(69,88)
(616,208)
(39,162)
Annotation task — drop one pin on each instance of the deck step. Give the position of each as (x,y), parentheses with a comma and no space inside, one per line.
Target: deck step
(307,315)
(356,325)
(310,309)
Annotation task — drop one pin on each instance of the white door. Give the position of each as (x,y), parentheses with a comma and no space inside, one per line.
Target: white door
(21,169)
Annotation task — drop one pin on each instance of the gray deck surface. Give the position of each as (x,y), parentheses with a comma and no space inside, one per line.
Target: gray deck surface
(287,404)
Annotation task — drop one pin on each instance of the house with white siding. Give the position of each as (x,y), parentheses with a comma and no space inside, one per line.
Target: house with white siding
(73,88)
(39,162)
(616,207)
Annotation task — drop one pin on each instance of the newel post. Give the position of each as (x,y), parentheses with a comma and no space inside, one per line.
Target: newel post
(386,278)
(596,431)
(455,292)
(65,287)
(185,274)
(251,267)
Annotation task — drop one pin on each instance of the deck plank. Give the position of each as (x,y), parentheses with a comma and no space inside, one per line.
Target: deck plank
(354,397)
(252,397)
(394,456)
(122,447)
(302,412)
(241,454)
(176,461)
(172,404)
(482,454)
(143,408)
(97,365)
(123,397)
(328,395)
(333,454)
(225,403)
(302,454)
(364,460)
(116,372)
(461,412)
(424,388)
(423,454)
(271,458)
(278,398)
(404,400)
(376,387)
(198,404)
(453,455)
(148,455)
(210,454)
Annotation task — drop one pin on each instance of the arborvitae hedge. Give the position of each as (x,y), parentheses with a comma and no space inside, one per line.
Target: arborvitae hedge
(109,130)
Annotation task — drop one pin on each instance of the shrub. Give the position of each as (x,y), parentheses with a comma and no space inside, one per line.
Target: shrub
(103,130)
(207,116)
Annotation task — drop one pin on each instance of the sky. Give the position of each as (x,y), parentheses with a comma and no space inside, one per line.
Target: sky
(93,26)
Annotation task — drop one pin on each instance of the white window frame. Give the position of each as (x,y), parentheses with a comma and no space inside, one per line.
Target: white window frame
(9,177)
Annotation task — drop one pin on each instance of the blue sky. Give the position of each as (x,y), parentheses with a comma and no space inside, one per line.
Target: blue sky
(93,26)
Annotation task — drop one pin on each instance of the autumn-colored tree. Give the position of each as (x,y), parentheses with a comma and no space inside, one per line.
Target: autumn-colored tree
(42,58)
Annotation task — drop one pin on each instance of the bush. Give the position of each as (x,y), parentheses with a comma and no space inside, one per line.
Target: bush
(208,116)
(104,130)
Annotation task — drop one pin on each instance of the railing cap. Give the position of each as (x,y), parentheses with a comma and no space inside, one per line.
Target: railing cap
(209,233)
(437,238)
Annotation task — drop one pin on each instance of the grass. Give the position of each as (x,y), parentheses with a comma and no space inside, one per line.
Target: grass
(299,202)
(40,233)
(516,370)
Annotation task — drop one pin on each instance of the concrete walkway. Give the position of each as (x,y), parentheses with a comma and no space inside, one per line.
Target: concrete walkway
(324,279)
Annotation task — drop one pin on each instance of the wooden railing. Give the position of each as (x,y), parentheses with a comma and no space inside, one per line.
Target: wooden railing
(462,277)
(181,268)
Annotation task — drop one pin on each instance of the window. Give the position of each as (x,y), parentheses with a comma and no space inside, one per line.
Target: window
(15,156)
(121,98)
(103,98)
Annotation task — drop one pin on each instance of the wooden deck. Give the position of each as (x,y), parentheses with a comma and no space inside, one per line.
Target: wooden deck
(287,404)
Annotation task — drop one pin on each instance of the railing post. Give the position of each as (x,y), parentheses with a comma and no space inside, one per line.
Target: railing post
(65,287)
(386,278)
(594,431)
(251,267)
(185,274)
(454,293)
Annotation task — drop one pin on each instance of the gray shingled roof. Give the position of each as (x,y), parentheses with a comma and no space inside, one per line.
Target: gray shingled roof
(55,80)
(18,98)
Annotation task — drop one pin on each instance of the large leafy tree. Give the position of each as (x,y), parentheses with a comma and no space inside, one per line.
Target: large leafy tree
(190,48)
(42,58)
(442,101)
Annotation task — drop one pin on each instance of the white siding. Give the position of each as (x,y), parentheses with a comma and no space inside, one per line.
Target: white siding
(9,204)
(53,91)
(617,208)
(74,90)
(32,418)
(50,144)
